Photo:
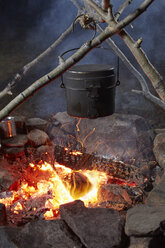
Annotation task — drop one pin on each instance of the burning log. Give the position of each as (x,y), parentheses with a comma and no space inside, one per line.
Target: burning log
(77,184)
(77,160)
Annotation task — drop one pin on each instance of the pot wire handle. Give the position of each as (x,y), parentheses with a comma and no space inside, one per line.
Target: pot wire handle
(118,72)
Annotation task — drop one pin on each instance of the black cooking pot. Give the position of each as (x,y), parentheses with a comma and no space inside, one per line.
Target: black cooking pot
(90,91)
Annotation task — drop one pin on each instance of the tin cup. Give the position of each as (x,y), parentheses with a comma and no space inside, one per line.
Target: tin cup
(8,127)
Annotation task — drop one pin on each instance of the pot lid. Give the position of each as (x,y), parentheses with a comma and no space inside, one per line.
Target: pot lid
(90,70)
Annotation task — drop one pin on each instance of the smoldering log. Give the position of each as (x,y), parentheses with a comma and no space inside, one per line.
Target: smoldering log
(77,161)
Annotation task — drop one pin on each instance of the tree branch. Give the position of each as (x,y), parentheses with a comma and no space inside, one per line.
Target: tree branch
(122,8)
(105,4)
(127,19)
(97,9)
(26,68)
(151,98)
(145,90)
(59,70)
(140,56)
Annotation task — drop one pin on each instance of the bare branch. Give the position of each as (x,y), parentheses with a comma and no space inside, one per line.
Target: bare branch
(105,4)
(97,8)
(59,70)
(127,19)
(122,8)
(127,63)
(27,67)
(151,98)
(147,67)
(145,90)
(110,16)
(138,42)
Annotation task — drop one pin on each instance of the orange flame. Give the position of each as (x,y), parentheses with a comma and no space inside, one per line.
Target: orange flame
(58,184)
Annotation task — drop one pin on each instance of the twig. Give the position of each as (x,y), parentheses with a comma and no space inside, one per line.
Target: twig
(59,70)
(26,68)
(97,8)
(127,63)
(140,56)
(151,98)
(127,19)
(105,4)
(122,8)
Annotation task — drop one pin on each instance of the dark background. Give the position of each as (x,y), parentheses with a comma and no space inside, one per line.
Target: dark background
(28,27)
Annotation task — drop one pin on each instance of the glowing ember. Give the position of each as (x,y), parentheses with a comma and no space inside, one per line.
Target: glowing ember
(46,187)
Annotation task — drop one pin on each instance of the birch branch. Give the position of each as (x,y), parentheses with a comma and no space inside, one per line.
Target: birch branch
(26,68)
(59,70)
(140,56)
(122,8)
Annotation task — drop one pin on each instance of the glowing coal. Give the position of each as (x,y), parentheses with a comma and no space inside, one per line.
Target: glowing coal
(44,186)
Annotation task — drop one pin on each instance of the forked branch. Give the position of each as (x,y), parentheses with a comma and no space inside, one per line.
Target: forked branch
(122,8)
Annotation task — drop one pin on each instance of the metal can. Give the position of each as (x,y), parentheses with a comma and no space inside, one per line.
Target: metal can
(8,128)
(90,91)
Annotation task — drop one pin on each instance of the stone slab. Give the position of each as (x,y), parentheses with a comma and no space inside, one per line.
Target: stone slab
(19,140)
(36,123)
(96,227)
(144,220)
(157,196)
(37,137)
(159,149)
(46,234)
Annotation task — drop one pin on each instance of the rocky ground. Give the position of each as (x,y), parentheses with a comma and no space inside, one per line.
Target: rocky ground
(126,138)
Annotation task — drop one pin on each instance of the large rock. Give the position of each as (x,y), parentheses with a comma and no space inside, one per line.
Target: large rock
(144,220)
(8,174)
(37,137)
(19,140)
(159,130)
(7,235)
(157,196)
(118,137)
(36,123)
(147,242)
(96,227)
(46,234)
(63,118)
(159,149)
(136,242)
(43,234)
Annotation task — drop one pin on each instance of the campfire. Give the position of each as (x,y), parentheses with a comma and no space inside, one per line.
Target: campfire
(62,175)
(44,186)
(46,182)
